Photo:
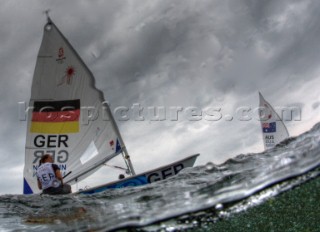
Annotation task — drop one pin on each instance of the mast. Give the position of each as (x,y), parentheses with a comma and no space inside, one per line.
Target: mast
(46,12)
(125,153)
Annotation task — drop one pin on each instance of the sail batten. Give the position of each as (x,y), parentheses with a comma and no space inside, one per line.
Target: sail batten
(273,129)
(63,94)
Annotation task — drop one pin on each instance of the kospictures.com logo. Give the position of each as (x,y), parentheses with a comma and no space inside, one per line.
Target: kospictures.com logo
(137,112)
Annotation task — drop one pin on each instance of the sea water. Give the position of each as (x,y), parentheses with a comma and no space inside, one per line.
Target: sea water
(189,201)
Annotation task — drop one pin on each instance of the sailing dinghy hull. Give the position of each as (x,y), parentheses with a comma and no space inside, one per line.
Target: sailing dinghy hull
(148,177)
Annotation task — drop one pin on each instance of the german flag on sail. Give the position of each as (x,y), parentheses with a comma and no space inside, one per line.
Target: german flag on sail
(55,117)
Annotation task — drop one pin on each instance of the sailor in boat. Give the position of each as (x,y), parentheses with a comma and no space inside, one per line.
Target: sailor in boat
(49,177)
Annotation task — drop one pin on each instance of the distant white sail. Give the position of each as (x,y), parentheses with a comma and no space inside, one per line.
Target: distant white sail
(273,129)
(63,97)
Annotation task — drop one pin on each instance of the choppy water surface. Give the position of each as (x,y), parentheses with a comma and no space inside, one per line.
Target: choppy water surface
(192,199)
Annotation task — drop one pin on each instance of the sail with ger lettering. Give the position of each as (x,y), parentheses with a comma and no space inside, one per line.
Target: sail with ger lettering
(69,120)
(273,129)
(67,116)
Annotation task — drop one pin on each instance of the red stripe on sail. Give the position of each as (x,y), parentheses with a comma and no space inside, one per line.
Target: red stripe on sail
(56,116)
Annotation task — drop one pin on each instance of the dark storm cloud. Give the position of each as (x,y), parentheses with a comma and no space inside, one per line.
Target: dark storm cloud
(273,45)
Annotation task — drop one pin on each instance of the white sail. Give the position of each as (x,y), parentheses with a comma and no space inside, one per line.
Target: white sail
(273,129)
(68,117)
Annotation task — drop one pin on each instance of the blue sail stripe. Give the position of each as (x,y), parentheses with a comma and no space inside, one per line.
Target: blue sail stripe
(26,187)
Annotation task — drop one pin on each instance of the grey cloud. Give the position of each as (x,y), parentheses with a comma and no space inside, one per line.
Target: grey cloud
(315,105)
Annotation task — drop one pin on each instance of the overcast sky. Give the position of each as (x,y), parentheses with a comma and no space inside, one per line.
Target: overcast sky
(200,55)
